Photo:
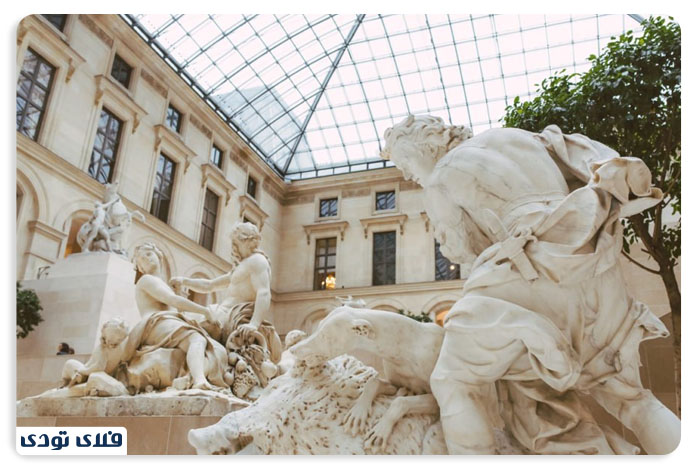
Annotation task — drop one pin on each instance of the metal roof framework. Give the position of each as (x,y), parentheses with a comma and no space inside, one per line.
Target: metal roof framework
(313,94)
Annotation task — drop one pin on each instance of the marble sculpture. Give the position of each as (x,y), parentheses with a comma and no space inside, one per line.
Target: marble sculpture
(179,344)
(107,228)
(544,316)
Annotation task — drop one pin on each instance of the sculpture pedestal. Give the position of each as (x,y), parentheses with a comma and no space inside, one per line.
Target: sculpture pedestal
(78,295)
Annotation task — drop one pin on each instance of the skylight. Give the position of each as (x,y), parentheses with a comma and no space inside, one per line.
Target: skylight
(314,94)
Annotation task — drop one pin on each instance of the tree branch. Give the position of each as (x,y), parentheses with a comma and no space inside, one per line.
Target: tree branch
(657,272)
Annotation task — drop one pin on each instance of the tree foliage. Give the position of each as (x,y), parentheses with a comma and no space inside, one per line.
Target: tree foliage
(422,317)
(28,307)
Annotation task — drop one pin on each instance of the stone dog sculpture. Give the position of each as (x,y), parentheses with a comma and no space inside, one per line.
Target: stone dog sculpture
(408,350)
(545,313)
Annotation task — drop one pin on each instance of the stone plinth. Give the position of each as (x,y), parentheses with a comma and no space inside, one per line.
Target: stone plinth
(155,404)
(78,295)
(157,423)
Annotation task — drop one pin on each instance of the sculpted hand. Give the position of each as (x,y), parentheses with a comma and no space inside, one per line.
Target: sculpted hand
(355,421)
(177,283)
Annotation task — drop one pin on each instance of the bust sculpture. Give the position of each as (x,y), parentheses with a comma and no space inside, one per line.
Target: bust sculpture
(545,312)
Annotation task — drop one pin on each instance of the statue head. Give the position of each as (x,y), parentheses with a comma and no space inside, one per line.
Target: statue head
(148,258)
(113,332)
(111,192)
(245,240)
(418,142)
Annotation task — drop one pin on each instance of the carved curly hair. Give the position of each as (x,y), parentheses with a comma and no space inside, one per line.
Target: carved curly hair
(429,134)
(246,233)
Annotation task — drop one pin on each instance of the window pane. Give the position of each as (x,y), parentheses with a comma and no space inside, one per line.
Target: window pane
(104,151)
(325,264)
(385,200)
(328,207)
(384,258)
(33,86)
(121,71)
(251,187)
(173,119)
(57,20)
(161,196)
(444,269)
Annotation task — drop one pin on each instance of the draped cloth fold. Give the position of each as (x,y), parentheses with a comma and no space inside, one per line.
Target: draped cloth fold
(169,329)
(573,328)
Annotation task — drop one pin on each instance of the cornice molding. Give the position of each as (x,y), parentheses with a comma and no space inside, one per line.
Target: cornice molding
(329,226)
(399,219)
(119,99)
(370,291)
(213,173)
(171,143)
(247,205)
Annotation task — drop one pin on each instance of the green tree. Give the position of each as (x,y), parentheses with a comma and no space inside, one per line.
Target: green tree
(630,100)
(422,317)
(28,307)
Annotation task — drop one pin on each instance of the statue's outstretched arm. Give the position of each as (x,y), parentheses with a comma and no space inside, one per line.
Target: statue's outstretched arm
(159,290)
(202,285)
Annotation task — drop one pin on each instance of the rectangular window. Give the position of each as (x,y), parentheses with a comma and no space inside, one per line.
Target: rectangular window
(251,187)
(121,71)
(210,209)
(444,269)
(216,156)
(164,183)
(325,264)
(384,258)
(103,161)
(173,119)
(58,21)
(33,88)
(385,200)
(328,207)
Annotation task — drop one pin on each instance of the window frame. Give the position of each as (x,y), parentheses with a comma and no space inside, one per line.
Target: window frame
(116,149)
(251,178)
(324,270)
(437,270)
(179,123)
(221,153)
(156,189)
(49,89)
(204,228)
(329,199)
(131,70)
(376,264)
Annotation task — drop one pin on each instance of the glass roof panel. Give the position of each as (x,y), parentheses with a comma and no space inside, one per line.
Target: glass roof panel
(313,94)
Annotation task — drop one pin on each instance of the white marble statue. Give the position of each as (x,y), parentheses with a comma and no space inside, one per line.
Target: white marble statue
(545,312)
(108,226)
(301,412)
(408,350)
(164,326)
(245,309)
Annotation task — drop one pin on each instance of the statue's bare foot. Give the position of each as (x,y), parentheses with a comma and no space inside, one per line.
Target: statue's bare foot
(203,385)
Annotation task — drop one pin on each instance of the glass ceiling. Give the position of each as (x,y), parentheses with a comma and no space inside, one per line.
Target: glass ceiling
(314,94)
